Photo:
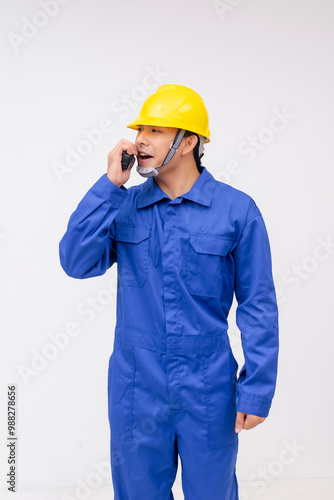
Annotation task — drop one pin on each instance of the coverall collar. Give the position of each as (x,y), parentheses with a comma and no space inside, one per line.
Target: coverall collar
(201,191)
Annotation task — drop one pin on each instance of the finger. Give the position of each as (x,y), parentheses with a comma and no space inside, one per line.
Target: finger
(128,146)
(239,423)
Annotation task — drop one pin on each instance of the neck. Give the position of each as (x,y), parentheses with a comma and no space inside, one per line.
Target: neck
(177,180)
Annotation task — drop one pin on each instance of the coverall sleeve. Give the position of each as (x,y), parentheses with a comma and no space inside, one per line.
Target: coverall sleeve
(88,248)
(256,317)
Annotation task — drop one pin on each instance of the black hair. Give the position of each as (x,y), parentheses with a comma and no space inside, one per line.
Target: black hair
(196,148)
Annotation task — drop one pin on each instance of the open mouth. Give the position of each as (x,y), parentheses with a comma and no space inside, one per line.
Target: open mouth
(144,157)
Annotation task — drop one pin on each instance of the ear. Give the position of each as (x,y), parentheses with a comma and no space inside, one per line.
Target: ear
(188,144)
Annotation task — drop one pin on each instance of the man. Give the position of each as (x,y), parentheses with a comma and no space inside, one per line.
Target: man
(184,243)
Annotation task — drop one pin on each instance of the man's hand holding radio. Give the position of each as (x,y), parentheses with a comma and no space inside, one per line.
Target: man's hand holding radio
(115,173)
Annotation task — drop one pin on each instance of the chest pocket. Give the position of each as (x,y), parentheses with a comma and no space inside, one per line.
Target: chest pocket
(132,254)
(207,261)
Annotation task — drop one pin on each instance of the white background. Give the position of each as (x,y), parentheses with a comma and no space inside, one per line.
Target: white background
(248,60)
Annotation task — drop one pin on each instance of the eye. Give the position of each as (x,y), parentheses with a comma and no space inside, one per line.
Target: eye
(155,130)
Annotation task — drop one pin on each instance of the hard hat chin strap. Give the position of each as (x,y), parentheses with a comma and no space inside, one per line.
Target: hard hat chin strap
(150,171)
(201,142)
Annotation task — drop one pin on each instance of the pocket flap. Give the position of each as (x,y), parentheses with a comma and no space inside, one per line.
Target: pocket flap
(131,234)
(213,245)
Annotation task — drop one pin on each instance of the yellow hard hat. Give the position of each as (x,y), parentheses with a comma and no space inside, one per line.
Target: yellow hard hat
(174,106)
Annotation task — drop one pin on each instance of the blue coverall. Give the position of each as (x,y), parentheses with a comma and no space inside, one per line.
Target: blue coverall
(172,378)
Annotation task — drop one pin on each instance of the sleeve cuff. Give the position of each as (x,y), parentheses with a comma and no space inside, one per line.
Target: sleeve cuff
(252,405)
(110,192)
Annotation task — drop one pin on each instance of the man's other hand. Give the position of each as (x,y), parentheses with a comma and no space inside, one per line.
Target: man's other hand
(245,421)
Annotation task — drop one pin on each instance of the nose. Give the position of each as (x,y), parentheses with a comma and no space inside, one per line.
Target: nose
(141,137)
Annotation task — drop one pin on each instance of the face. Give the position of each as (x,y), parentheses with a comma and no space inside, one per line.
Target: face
(155,141)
